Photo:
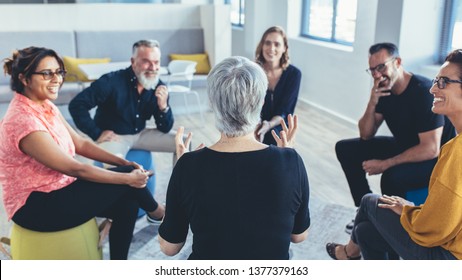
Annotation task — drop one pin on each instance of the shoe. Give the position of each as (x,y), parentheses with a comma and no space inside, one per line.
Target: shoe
(153,221)
(330,248)
(349,226)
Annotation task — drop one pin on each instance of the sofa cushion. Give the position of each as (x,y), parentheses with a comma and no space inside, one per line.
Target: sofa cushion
(72,66)
(203,65)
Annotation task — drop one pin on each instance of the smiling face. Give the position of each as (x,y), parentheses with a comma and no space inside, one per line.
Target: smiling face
(146,65)
(273,48)
(37,88)
(448,101)
(388,74)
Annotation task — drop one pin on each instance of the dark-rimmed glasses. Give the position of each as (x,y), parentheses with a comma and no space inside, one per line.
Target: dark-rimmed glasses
(48,74)
(443,81)
(380,68)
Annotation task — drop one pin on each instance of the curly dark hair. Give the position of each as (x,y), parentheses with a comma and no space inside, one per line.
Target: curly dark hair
(456,57)
(25,62)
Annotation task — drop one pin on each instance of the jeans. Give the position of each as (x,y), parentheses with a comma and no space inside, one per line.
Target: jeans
(379,234)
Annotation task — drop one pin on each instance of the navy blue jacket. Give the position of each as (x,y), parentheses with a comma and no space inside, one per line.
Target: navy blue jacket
(119,106)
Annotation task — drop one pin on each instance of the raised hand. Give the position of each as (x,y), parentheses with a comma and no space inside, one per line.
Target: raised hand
(182,146)
(162,97)
(287,134)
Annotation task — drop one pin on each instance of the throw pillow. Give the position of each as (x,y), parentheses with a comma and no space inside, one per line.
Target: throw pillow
(74,74)
(202,59)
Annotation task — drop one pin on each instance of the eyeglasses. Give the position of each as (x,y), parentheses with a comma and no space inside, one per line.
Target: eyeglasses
(379,68)
(48,74)
(443,81)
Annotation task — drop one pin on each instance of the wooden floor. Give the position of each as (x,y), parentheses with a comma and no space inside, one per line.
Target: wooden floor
(315,142)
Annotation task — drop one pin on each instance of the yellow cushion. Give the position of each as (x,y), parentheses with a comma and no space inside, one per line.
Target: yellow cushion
(78,243)
(202,59)
(72,66)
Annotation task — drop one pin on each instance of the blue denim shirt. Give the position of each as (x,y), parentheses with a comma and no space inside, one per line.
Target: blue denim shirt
(119,106)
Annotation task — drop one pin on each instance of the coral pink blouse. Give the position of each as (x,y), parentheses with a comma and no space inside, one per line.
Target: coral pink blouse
(20,174)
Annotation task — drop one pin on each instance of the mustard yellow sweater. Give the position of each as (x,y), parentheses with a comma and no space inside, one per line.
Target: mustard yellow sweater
(438,222)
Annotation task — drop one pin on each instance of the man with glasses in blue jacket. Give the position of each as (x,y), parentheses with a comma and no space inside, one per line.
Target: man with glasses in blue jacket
(406,158)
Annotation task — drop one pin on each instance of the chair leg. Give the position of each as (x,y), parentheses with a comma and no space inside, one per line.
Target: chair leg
(185,100)
(200,108)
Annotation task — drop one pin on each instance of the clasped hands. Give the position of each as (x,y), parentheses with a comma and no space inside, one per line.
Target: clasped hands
(139,176)
(375,166)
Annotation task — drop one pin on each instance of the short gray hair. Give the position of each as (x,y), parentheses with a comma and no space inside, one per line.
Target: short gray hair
(144,43)
(236,90)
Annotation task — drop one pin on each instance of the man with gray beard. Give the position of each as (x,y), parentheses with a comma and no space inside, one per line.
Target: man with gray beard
(125,100)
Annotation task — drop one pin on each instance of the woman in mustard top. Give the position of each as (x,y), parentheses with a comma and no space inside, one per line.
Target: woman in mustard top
(432,230)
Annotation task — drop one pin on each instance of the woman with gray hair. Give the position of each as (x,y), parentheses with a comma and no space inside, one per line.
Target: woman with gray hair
(242,199)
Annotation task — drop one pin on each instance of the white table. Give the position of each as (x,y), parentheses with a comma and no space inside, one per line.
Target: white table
(95,70)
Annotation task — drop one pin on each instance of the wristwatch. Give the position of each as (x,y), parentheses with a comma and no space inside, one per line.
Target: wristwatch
(166,109)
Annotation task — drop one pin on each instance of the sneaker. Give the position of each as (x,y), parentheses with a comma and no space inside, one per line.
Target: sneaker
(153,221)
(349,226)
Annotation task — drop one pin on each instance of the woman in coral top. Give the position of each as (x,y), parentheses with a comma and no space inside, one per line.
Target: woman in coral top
(432,230)
(44,188)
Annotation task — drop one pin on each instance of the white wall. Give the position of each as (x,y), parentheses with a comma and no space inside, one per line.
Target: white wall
(98,16)
(420,34)
(213,19)
(216,29)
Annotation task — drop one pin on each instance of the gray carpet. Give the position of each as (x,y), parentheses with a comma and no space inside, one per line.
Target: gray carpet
(327,224)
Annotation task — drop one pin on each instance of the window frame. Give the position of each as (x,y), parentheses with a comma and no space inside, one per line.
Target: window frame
(241,13)
(447,29)
(306,6)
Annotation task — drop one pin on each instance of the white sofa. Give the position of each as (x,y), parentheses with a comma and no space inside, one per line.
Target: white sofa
(115,45)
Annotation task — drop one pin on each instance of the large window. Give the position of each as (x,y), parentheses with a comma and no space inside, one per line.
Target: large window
(237,12)
(452,28)
(329,20)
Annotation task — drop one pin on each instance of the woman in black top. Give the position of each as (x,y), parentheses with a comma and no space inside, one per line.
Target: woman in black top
(241,198)
(283,82)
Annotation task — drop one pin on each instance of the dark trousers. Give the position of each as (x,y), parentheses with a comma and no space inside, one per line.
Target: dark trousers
(396,180)
(379,234)
(83,200)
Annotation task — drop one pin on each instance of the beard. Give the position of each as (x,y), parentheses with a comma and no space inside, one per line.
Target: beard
(147,83)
